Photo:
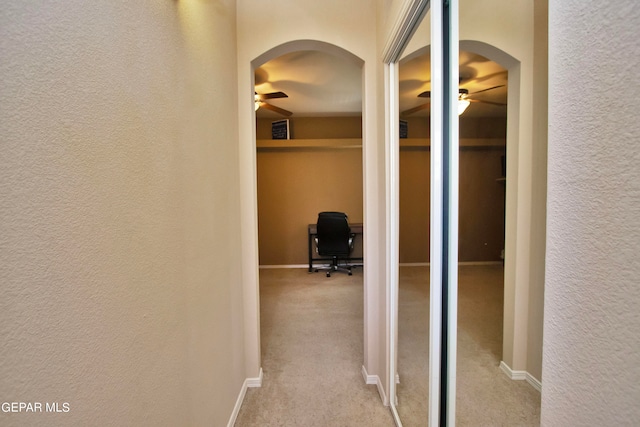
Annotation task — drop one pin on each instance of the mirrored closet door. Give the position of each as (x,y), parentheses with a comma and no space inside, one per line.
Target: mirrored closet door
(454,304)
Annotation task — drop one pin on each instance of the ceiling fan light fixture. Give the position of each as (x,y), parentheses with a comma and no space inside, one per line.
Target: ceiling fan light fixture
(256,101)
(462,105)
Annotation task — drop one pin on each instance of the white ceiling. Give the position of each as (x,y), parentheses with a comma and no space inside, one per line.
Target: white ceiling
(317,83)
(320,84)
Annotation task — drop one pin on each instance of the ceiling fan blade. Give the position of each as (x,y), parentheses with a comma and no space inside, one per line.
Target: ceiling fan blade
(273,95)
(415,109)
(476,80)
(425,94)
(276,109)
(484,90)
(485,102)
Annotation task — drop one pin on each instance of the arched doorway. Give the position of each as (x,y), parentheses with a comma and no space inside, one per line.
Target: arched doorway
(250,217)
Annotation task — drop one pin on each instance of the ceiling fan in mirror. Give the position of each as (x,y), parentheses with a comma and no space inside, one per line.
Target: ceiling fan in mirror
(464,99)
(261,103)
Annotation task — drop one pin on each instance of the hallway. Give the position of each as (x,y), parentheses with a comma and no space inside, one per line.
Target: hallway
(311,335)
(312,328)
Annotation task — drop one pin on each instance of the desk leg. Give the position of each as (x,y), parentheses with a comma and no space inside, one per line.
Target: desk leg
(310,255)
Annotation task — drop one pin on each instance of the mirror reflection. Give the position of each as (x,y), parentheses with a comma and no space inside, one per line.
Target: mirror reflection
(485,395)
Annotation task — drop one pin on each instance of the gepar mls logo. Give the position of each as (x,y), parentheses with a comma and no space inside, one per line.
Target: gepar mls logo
(28,407)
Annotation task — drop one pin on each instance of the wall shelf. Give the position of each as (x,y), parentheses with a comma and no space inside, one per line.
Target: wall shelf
(464,143)
(415,143)
(288,144)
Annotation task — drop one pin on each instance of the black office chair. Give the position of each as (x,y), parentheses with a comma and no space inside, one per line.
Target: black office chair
(334,239)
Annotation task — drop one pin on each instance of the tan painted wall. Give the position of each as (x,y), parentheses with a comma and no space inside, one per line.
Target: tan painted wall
(119,251)
(295,184)
(315,127)
(481,221)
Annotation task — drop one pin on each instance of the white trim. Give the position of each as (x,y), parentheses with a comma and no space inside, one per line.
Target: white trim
(248,382)
(396,416)
(285,266)
(375,380)
(414,264)
(405,24)
(236,408)
(255,382)
(403,28)
(453,208)
(369,379)
(480,263)
(392,185)
(514,375)
(305,266)
(427,264)
(534,382)
(402,264)
(521,376)
(436,209)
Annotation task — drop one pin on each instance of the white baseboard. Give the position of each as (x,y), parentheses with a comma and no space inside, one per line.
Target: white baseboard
(248,382)
(369,379)
(286,266)
(514,375)
(521,376)
(535,383)
(255,382)
(396,416)
(402,264)
(480,263)
(426,264)
(375,380)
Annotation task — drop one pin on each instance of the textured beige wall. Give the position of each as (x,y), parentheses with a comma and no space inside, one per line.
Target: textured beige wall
(591,363)
(119,250)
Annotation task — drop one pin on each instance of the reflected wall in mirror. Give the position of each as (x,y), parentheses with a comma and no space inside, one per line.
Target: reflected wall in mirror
(487,321)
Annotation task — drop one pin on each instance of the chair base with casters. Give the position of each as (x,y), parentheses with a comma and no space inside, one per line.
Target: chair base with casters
(335,267)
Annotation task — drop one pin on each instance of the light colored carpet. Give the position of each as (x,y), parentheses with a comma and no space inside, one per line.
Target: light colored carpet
(311,332)
(485,396)
(312,354)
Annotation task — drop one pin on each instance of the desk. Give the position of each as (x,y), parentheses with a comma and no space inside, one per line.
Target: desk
(356,228)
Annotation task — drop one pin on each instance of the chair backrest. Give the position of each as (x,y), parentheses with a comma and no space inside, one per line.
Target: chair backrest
(333,234)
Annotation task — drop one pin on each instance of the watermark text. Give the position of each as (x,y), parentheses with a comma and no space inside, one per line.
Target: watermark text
(26,407)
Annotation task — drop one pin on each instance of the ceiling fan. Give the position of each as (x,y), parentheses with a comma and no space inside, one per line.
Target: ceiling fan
(260,102)
(464,99)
